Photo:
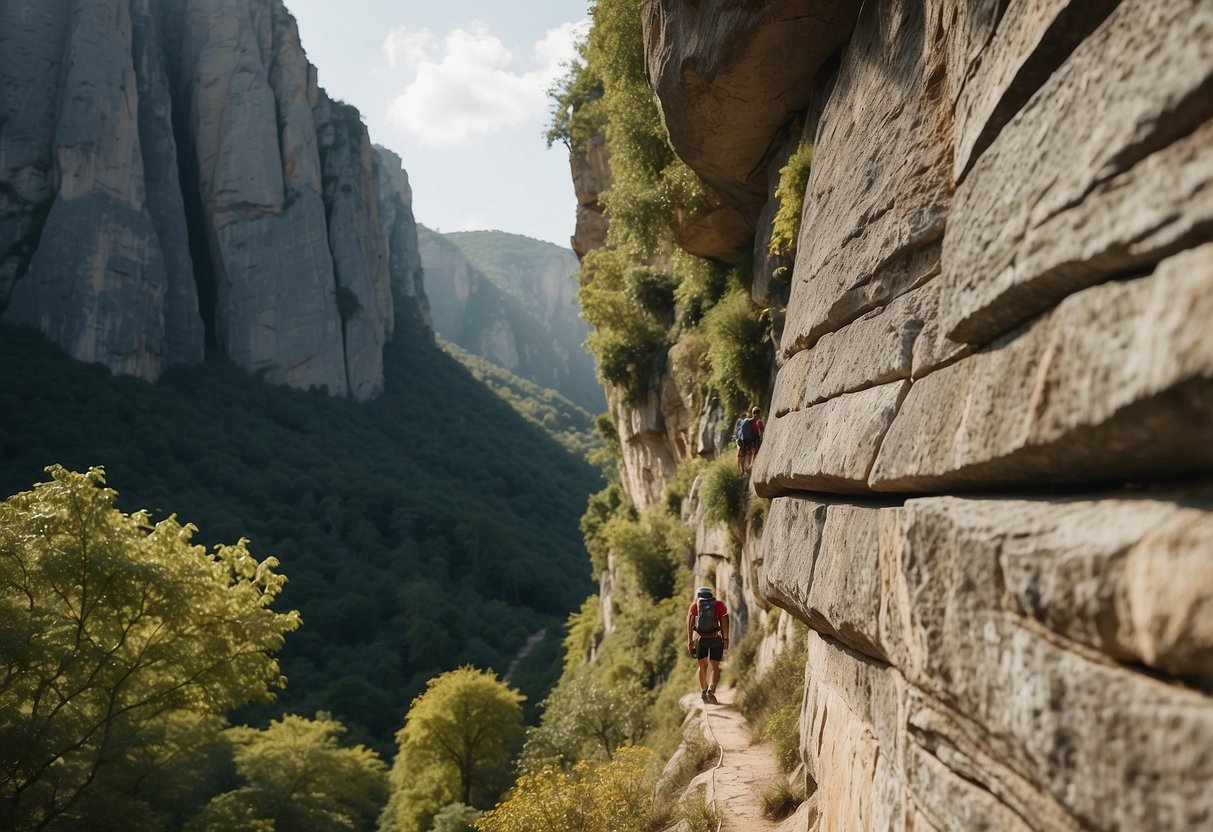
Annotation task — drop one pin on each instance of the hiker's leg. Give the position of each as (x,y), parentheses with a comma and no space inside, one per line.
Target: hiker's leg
(715,675)
(703,673)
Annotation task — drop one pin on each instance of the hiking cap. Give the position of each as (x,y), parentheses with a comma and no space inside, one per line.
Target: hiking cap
(704,592)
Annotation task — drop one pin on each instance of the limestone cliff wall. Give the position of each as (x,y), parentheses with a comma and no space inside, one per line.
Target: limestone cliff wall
(990,451)
(173,178)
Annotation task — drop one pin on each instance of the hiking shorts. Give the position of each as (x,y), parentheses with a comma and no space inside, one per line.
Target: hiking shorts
(710,648)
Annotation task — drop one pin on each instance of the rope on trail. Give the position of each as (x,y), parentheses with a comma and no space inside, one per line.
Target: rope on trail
(707,718)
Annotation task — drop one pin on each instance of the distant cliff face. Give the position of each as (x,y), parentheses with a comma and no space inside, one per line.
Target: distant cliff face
(512,300)
(172,179)
(988,450)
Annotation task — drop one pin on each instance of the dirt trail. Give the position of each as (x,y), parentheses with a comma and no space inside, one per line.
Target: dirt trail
(747,770)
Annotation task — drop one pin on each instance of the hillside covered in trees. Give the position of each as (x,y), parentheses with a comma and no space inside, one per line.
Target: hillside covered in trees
(430,528)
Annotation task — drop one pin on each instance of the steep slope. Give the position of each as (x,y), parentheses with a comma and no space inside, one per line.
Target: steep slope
(510,301)
(172,179)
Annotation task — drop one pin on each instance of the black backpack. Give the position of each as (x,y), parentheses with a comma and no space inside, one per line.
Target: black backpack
(705,618)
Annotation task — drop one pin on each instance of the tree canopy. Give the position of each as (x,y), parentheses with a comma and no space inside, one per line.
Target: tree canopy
(456,745)
(117,639)
(295,777)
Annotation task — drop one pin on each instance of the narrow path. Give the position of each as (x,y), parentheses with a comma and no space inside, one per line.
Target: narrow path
(533,639)
(747,770)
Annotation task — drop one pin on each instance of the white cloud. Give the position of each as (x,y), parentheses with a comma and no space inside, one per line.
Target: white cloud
(472,88)
(406,49)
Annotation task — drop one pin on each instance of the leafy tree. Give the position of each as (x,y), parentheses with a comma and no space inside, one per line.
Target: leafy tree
(296,778)
(586,717)
(456,745)
(117,638)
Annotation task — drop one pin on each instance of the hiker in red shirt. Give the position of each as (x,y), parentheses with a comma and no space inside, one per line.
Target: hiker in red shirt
(707,638)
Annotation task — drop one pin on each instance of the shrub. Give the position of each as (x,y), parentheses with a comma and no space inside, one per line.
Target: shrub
(737,349)
(608,797)
(780,801)
(782,686)
(793,180)
(723,492)
(783,732)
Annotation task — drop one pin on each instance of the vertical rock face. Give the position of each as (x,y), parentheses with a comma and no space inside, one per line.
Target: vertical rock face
(400,234)
(1003,284)
(173,178)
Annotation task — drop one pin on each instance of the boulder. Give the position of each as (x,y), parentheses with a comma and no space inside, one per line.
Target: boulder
(728,76)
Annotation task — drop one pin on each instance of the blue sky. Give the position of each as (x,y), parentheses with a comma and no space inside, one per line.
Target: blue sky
(456,87)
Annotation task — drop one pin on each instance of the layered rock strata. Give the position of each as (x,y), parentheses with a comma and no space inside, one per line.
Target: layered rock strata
(990,447)
(174,179)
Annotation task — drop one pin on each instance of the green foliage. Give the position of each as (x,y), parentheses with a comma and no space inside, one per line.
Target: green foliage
(793,180)
(600,509)
(411,526)
(723,492)
(701,283)
(760,698)
(295,777)
(584,629)
(616,796)
(738,351)
(574,116)
(119,639)
(456,745)
(783,732)
(700,815)
(780,800)
(586,718)
(697,756)
(567,423)
(457,817)
(653,546)
(630,338)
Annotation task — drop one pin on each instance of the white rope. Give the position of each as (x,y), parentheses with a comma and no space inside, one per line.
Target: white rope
(719,762)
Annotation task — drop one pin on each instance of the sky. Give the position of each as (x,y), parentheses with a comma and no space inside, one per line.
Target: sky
(458,89)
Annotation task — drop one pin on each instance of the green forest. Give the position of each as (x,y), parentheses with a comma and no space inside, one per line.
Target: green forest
(431,528)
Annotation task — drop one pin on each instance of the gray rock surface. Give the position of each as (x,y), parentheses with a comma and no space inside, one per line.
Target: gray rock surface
(1021,243)
(1002,287)
(171,175)
(728,77)
(400,236)
(1062,401)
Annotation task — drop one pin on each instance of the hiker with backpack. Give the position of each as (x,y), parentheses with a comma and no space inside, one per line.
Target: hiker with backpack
(707,639)
(749,439)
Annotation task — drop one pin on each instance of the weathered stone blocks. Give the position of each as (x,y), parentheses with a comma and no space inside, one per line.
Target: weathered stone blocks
(1018,243)
(974,670)
(1117,381)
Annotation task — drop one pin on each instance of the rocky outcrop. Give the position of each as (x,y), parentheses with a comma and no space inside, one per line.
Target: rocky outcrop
(173,178)
(728,78)
(989,453)
(400,235)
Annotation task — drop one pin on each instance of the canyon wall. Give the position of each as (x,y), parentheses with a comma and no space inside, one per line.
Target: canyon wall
(173,179)
(990,443)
